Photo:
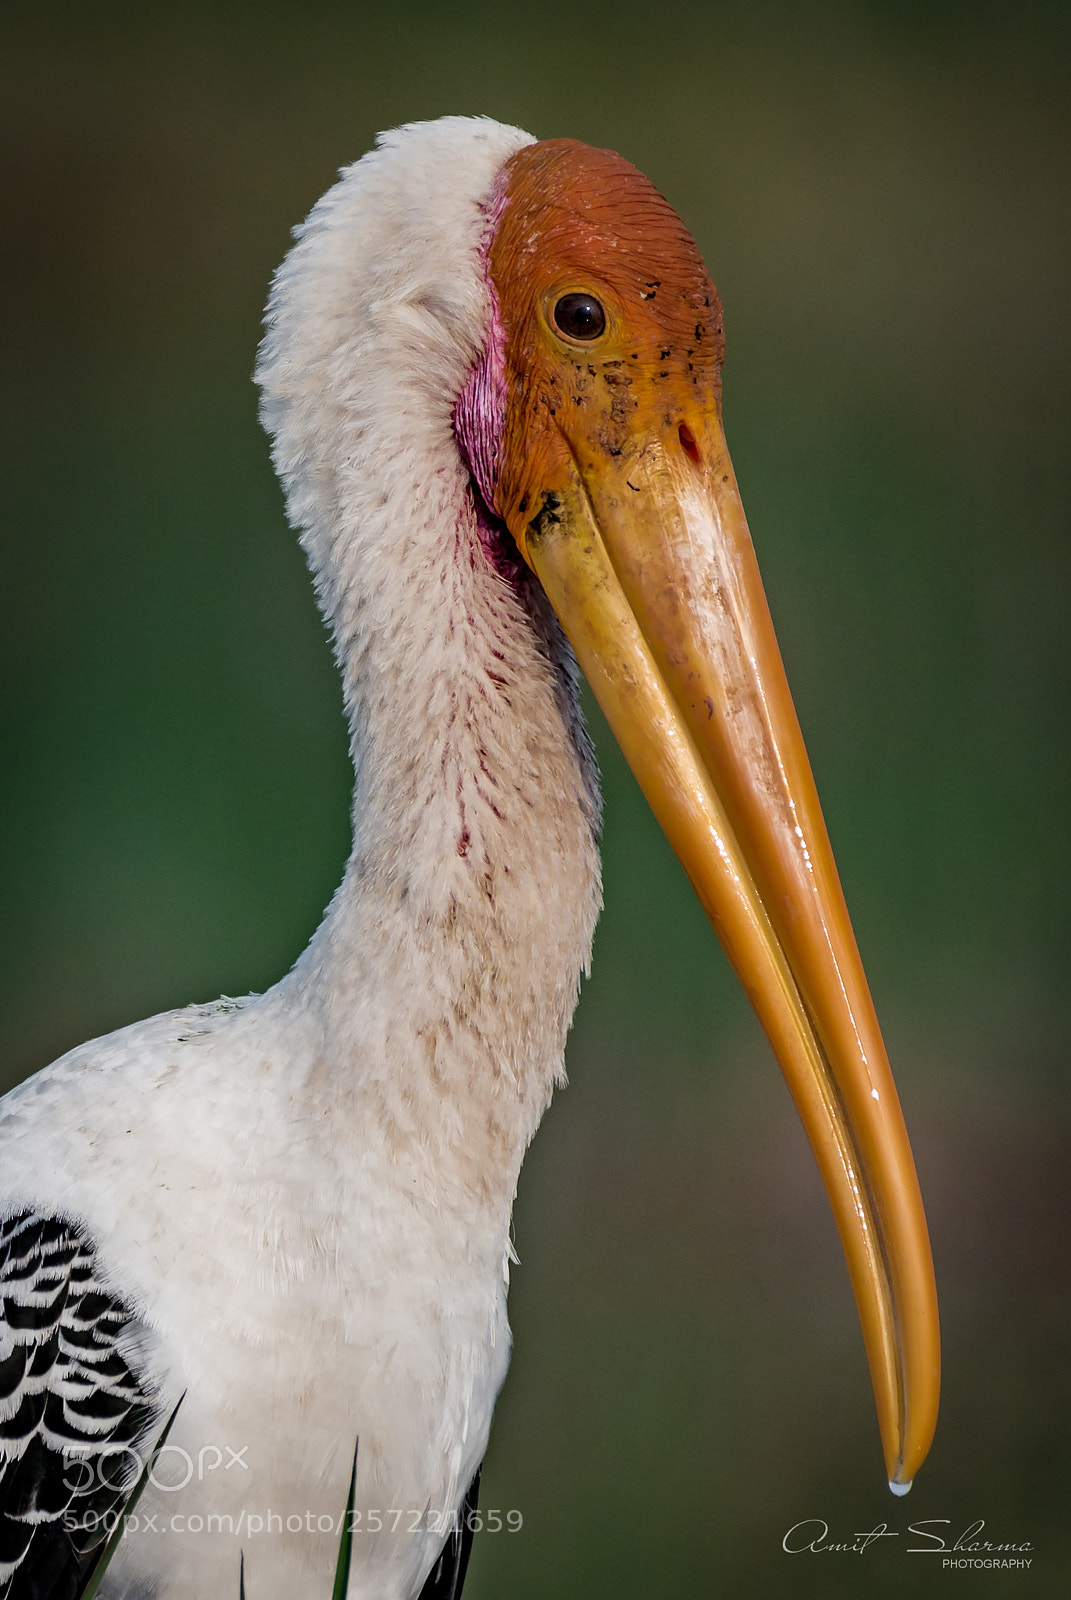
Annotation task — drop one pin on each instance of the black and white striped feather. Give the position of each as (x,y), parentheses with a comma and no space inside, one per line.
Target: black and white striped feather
(73,1416)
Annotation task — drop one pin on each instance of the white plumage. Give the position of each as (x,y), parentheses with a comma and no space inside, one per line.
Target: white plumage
(292,1211)
(304,1197)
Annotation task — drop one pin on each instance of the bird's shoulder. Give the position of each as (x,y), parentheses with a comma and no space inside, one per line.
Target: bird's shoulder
(139,1057)
(146,1047)
(79,1137)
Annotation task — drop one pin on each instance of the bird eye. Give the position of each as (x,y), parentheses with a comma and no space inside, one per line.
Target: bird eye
(579,316)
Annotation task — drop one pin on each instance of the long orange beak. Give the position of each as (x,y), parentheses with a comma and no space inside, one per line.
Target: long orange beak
(646,557)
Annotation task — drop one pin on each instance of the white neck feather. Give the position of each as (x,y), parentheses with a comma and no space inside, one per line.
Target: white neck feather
(445,973)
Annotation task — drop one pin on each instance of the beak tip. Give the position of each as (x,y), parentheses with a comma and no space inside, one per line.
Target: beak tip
(900,1489)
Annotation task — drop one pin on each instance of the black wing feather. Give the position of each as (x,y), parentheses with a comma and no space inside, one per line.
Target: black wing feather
(446,1579)
(72,1413)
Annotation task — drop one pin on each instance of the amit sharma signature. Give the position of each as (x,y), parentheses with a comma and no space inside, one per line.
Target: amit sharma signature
(930,1536)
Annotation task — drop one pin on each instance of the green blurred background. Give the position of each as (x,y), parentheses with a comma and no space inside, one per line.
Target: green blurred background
(881,194)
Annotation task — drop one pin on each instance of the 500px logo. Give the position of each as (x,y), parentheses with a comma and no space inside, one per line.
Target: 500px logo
(121,1465)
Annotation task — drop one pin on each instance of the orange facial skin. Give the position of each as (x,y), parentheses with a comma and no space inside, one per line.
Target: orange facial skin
(613,477)
(574,218)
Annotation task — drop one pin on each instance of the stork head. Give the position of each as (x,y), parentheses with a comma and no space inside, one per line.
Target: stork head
(587,410)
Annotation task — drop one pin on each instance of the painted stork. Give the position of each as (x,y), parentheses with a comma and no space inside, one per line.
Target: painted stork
(492,376)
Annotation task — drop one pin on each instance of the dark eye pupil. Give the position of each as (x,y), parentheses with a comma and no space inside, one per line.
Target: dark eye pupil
(579,316)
